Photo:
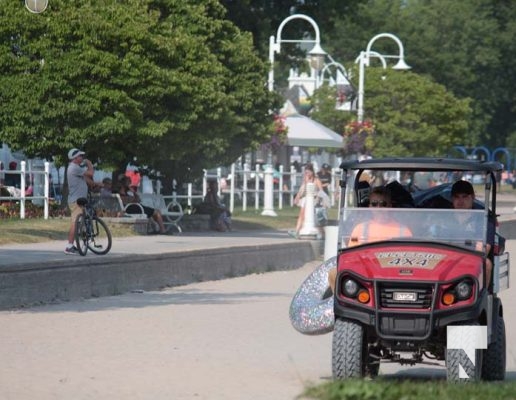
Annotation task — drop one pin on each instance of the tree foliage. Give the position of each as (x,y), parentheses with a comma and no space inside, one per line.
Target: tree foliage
(324,110)
(412,115)
(181,84)
(163,80)
(466,46)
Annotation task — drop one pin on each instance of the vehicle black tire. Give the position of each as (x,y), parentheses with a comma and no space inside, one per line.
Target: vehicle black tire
(81,236)
(456,358)
(101,240)
(493,368)
(347,350)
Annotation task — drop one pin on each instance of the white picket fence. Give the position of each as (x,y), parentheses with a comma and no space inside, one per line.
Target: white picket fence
(243,186)
(40,188)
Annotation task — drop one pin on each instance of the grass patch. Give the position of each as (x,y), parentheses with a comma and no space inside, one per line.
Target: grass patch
(34,230)
(383,389)
(253,220)
(286,219)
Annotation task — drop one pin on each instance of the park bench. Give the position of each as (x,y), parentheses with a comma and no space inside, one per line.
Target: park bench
(172,211)
(111,209)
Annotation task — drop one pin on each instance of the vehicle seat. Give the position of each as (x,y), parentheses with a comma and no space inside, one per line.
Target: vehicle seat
(436,202)
(401,197)
(363,190)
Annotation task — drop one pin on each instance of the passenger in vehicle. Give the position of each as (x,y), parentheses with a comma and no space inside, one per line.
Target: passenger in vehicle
(463,197)
(400,197)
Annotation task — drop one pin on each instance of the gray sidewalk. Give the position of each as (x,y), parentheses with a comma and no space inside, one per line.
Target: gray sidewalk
(15,255)
(39,273)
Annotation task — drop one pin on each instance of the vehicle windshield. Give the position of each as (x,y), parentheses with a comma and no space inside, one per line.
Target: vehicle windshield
(464,228)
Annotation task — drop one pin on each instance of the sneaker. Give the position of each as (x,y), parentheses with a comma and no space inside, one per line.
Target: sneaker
(71,250)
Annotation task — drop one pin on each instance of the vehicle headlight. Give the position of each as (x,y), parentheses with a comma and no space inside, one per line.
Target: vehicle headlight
(463,290)
(350,288)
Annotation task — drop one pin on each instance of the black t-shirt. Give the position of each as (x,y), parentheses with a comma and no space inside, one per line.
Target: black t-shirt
(12,179)
(325,178)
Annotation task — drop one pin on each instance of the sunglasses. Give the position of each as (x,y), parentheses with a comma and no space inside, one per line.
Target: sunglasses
(376,203)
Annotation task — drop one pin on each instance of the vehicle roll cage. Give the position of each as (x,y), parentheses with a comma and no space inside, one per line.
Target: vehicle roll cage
(425,164)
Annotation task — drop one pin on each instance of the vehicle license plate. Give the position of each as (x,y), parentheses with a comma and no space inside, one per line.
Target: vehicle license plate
(404,296)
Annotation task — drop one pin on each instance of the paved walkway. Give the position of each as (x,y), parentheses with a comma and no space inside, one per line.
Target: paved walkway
(38,273)
(41,272)
(52,251)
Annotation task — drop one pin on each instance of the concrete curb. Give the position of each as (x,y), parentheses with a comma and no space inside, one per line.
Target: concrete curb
(29,285)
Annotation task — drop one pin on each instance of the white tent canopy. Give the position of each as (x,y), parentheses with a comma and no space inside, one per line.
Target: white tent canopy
(305,132)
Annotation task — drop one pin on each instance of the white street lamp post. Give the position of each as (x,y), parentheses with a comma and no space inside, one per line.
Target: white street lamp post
(364,59)
(316,58)
(338,68)
(316,55)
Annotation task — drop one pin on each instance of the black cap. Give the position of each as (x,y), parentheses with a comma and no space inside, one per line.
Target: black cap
(326,166)
(462,187)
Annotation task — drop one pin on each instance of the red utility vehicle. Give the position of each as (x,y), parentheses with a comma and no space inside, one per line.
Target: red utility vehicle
(395,298)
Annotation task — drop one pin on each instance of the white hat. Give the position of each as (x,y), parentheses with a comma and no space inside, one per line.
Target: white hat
(75,153)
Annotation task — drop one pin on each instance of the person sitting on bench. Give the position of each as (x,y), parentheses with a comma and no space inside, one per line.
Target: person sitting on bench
(133,205)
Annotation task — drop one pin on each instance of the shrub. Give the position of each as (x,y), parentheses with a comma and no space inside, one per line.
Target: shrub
(11,210)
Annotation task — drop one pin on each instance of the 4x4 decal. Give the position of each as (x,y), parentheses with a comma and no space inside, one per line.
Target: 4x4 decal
(409,259)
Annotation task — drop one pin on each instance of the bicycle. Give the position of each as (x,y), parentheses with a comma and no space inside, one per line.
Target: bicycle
(91,232)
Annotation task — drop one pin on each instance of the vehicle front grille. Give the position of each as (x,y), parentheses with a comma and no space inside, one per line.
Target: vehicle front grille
(423,296)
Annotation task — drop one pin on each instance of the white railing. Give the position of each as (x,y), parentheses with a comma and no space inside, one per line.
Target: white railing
(40,188)
(245,186)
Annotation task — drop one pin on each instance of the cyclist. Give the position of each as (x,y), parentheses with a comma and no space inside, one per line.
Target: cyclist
(79,177)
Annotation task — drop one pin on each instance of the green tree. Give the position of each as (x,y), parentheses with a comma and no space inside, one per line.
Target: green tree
(466,46)
(325,112)
(412,115)
(163,80)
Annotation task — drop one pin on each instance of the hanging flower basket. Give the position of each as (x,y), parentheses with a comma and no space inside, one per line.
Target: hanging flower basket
(358,137)
(279,135)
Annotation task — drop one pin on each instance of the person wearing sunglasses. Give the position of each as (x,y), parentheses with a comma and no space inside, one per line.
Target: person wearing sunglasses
(381,226)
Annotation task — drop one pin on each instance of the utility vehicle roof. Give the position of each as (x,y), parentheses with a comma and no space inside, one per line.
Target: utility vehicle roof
(423,164)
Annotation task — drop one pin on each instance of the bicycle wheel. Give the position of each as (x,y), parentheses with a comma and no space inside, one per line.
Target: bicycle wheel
(100,242)
(81,234)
